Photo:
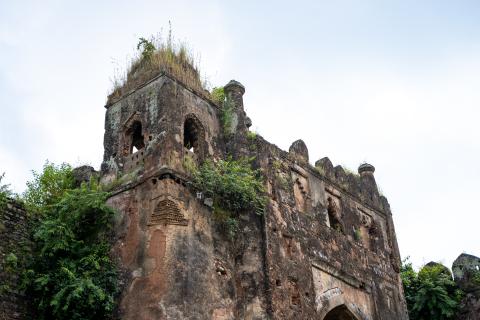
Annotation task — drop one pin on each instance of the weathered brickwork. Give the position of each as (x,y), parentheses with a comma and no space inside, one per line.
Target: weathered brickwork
(325,248)
(14,239)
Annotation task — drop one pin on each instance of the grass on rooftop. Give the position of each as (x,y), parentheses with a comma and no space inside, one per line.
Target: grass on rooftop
(157,56)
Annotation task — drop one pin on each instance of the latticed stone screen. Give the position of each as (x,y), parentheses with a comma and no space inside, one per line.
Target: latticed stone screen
(167,212)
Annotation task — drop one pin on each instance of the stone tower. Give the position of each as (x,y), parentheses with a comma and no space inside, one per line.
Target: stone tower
(324,249)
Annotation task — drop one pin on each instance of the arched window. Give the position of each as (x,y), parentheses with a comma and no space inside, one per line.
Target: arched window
(135,138)
(193,134)
(340,313)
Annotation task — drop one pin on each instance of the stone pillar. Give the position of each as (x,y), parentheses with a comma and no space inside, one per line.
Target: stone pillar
(234,91)
(366,171)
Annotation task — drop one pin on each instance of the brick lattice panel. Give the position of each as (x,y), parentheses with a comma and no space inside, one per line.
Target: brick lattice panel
(167,212)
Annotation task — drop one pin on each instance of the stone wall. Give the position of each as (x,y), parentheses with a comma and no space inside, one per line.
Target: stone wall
(14,239)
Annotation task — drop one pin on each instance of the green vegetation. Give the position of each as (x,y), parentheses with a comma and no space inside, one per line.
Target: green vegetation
(218,95)
(233,184)
(155,56)
(234,187)
(431,293)
(69,273)
(148,48)
(227,112)
(47,187)
(357,234)
(226,117)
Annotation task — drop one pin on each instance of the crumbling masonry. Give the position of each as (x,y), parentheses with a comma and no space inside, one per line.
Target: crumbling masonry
(324,249)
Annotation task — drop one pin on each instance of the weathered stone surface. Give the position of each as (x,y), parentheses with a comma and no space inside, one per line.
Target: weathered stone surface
(14,237)
(325,248)
(299,151)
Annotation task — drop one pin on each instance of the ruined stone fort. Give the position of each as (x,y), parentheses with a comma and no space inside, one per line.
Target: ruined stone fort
(324,249)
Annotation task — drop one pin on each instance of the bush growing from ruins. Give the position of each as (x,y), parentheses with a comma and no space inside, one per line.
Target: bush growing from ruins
(431,294)
(148,48)
(234,187)
(233,183)
(218,95)
(71,274)
(47,187)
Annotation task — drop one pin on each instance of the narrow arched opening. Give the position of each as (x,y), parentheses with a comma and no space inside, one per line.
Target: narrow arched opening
(135,137)
(193,134)
(340,313)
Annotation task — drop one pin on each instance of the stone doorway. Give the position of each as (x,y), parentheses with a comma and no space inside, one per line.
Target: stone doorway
(340,313)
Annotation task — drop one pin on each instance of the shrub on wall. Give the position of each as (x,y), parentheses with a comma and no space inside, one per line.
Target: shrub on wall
(234,187)
(233,184)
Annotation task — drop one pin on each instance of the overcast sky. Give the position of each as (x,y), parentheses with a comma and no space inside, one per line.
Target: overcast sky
(394,83)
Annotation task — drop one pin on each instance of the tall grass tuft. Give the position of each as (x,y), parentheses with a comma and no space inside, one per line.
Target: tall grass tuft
(155,56)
